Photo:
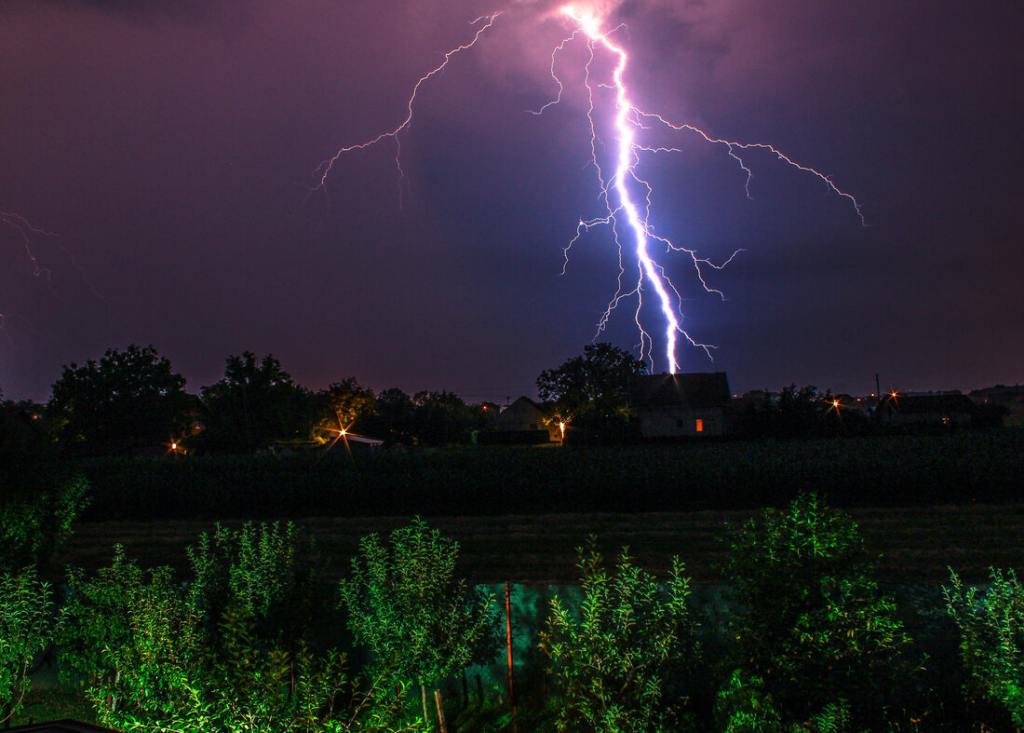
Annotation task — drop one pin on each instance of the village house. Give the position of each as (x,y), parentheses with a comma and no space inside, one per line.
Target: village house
(523,421)
(682,405)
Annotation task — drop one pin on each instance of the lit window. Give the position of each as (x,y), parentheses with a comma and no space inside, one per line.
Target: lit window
(700,425)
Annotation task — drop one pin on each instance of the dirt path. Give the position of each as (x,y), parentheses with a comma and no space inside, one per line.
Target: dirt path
(917,544)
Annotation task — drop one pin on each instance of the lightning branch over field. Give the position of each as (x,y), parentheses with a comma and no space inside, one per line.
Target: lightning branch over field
(625,196)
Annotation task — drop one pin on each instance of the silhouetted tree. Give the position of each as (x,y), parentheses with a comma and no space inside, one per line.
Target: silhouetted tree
(128,398)
(441,418)
(592,391)
(343,405)
(393,419)
(255,404)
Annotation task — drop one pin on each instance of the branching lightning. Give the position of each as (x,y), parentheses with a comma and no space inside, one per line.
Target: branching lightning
(26,234)
(626,197)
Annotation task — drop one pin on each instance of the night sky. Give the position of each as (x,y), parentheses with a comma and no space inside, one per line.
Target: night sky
(172,146)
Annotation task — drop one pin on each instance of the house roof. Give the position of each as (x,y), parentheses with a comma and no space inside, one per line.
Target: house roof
(60,726)
(695,390)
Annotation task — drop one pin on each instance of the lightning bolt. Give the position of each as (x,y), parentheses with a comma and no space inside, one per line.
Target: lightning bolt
(625,196)
(483,24)
(625,209)
(30,236)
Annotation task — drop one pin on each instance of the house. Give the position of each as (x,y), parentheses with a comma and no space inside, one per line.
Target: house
(941,409)
(523,421)
(681,405)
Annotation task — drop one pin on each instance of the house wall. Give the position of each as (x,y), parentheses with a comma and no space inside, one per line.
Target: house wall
(679,422)
(520,416)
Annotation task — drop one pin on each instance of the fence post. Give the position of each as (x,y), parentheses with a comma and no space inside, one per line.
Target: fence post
(508,647)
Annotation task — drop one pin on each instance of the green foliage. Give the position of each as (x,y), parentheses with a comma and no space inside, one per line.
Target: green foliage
(624,663)
(219,653)
(743,706)
(25,632)
(134,643)
(407,608)
(810,621)
(262,574)
(35,523)
(129,398)
(992,639)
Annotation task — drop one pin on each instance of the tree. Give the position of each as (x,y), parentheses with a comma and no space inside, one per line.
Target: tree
(592,390)
(441,418)
(343,405)
(394,417)
(623,663)
(129,398)
(811,629)
(25,631)
(254,404)
(407,608)
(992,639)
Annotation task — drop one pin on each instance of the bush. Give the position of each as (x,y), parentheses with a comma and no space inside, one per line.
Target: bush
(35,523)
(221,652)
(134,643)
(24,633)
(624,663)
(992,639)
(406,607)
(810,621)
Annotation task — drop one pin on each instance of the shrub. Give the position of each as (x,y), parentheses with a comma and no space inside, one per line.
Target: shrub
(218,653)
(134,644)
(24,633)
(35,524)
(622,663)
(992,639)
(264,575)
(406,607)
(810,621)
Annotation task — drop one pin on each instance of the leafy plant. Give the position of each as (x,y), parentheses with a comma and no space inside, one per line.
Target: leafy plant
(25,632)
(35,524)
(405,606)
(263,573)
(622,663)
(992,639)
(134,643)
(809,619)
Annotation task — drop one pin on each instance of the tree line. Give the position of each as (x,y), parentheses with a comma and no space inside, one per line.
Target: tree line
(133,399)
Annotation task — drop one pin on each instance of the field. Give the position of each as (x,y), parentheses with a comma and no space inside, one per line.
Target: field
(917,544)
(881,471)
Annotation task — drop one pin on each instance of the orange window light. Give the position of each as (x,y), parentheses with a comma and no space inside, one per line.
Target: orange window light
(700,425)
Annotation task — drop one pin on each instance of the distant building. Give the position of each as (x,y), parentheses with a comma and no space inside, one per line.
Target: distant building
(941,409)
(1012,398)
(524,421)
(682,405)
